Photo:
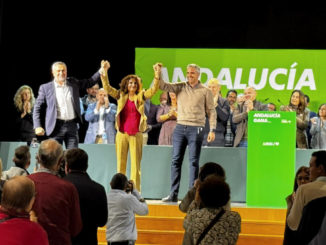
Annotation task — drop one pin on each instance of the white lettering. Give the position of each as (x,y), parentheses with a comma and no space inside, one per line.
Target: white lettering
(208,73)
(263,79)
(306,80)
(224,78)
(237,80)
(178,75)
(273,75)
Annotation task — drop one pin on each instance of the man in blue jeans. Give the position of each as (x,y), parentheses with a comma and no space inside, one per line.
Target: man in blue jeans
(194,102)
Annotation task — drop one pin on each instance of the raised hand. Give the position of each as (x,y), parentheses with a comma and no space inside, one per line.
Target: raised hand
(105,66)
(157,69)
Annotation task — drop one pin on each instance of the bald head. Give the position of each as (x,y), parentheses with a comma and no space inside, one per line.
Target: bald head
(17,193)
(50,153)
(250,93)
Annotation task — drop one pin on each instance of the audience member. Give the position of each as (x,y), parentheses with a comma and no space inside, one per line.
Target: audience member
(101,118)
(301,178)
(320,238)
(167,115)
(231,97)
(15,225)
(312,114)
(61,98)
(130,120)
(92,197)
(271,107)
(153,126)
(240,115)
(207,169)
(56,203)
(124,201)
(163,98)
(318,129)
(24,102)
(195,101)
(212,224)
(297,104)
(22,160)
(222,111)
(89,98)
(308,192)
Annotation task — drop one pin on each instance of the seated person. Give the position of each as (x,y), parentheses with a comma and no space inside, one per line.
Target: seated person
(22,160)
(15,226)
(212,224)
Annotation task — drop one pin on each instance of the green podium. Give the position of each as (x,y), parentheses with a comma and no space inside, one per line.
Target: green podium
(270,158)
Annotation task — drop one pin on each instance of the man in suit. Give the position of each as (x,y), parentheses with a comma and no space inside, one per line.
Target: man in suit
(61,98)
(240,116)
(92,196)
(101,118)
(153,127)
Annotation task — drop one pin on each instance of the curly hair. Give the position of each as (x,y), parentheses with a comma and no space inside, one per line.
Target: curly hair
(125,80)
(18,98)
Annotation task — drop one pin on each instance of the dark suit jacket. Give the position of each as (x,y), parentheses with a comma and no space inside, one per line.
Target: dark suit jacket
(240,118)
(150,112)
(46,96)
(223,113)
(93,207)
(310,223)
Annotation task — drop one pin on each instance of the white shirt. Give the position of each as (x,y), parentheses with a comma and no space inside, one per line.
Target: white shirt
(101,121)
(122,207)
(65,108)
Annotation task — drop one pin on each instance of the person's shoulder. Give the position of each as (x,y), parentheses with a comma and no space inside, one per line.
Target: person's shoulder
(233,214)
(46,85)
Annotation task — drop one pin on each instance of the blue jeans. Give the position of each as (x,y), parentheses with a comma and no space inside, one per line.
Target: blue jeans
(66,132)
(182,136)
(243,143)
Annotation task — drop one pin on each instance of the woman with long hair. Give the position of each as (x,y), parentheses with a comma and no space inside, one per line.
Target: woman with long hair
(298,105)
(167,115)
(24,102)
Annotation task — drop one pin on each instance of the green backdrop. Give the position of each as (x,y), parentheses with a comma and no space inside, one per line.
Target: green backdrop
(270,157)
(274,72)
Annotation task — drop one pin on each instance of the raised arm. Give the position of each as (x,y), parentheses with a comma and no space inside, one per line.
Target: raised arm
(105,66)
(157,74)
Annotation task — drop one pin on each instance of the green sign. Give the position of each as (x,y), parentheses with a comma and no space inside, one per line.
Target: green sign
(274,73)
(270,158)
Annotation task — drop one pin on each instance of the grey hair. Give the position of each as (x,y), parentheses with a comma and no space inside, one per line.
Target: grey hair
(194,66)
(58,63)
(49,153)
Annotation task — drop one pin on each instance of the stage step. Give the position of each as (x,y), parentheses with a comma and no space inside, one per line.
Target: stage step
(164,225)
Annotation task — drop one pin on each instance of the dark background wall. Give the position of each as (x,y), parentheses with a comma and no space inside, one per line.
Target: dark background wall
(34,35)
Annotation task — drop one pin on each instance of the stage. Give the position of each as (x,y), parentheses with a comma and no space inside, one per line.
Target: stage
(155,167)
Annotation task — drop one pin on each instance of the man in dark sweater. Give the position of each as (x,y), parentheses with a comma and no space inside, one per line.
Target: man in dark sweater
(92,197)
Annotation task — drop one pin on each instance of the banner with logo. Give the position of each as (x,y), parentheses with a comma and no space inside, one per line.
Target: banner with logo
(275,73)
